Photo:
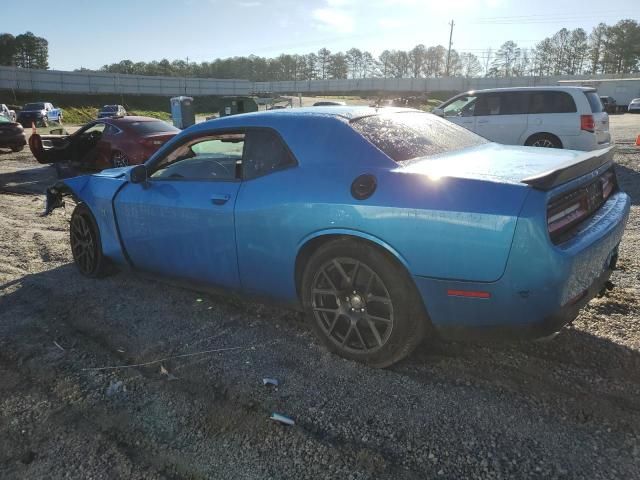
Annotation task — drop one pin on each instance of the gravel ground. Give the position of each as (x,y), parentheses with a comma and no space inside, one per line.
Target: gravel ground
(567,408)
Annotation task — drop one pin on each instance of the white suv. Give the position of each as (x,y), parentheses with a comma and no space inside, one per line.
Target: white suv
(555,117)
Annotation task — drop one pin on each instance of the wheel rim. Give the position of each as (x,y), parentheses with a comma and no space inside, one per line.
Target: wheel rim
(120,160)
(352,305)
(83,244)
(544,143)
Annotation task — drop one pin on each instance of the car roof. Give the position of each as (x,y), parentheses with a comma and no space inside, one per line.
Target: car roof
(534,89)
(131,119)
(348,112)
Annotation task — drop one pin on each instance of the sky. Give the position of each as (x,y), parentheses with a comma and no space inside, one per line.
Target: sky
(90,34)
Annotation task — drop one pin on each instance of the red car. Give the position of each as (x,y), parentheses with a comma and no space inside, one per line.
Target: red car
(104,143)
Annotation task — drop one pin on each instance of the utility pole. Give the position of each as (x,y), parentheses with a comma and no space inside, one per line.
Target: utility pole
(446,73)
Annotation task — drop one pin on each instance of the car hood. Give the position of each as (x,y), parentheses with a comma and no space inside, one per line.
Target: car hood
(497,163)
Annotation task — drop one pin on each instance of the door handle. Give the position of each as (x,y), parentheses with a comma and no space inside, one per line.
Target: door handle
(483,121)
(220,199)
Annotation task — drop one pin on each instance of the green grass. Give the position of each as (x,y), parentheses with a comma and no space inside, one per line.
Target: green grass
(166,116)
(430,105)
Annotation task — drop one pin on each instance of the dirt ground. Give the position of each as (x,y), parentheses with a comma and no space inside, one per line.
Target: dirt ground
(566,408)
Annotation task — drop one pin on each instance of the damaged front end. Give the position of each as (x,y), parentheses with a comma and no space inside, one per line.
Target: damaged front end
(69,187)
(54,197)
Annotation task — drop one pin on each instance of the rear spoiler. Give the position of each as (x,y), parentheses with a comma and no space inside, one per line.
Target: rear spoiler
(584,163)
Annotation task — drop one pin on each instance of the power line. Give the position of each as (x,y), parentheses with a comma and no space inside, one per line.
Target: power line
(449,52)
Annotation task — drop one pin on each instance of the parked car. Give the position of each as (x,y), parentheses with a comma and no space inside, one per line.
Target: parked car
(329,103)
(108,111)
(609,104)
(40,114)
(104,143)
(11,135)
(384,225)
(7,113)
(555,117)
(634,106)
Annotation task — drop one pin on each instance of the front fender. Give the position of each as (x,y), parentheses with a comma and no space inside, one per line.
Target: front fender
(96,192)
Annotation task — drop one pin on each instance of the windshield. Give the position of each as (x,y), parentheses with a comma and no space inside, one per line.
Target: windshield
(4,119)
(403,136)
(34,106)
(153,126)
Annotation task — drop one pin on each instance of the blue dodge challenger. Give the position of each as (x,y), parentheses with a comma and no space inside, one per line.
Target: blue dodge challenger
(384,225)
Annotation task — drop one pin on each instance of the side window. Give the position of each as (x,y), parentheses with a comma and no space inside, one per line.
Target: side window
(265,152)
(515,103)
(551,102)
(488,104)
(460,107)
(98,128)
(111,130)
(214,157)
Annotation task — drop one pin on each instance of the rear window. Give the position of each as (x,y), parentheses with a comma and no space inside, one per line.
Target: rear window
(594,101)
(552,102)
(34,106)
(110,108)
(155,126)
(403,136)
(4,119)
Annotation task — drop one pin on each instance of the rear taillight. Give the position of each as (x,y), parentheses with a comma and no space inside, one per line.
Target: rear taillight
(587,123)
(608,181)
(563,214)
(566,211)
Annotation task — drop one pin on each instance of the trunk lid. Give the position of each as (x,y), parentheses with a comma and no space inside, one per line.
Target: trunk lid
(541,168)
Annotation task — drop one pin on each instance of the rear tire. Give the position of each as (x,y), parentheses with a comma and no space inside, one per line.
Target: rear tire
(17,148)
(543,140)
(86,245)
(362,304)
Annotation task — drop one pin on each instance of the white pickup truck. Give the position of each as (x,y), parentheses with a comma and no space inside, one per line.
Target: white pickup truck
(5,112)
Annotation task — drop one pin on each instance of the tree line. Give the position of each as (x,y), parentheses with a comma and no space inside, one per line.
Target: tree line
(24,51)
(607,49)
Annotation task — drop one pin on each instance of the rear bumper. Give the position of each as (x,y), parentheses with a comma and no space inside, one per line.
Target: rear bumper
(586,141)
(543,287)
(537,329)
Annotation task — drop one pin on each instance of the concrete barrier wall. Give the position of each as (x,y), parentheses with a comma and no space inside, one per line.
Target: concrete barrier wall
(419,85)
(96,82)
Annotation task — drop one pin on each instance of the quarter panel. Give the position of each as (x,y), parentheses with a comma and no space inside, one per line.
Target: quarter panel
(447,228)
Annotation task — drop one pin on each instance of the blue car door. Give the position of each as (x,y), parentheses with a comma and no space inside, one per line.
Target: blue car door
(180,222)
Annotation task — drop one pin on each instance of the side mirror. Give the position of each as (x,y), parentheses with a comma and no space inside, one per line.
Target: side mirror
(438,111)
(138,174)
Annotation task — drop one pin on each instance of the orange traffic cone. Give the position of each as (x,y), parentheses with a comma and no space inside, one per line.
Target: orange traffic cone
(638,141)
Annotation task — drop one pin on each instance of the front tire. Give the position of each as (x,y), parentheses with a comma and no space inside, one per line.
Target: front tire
(86,246)
(17,148)
(362,304)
